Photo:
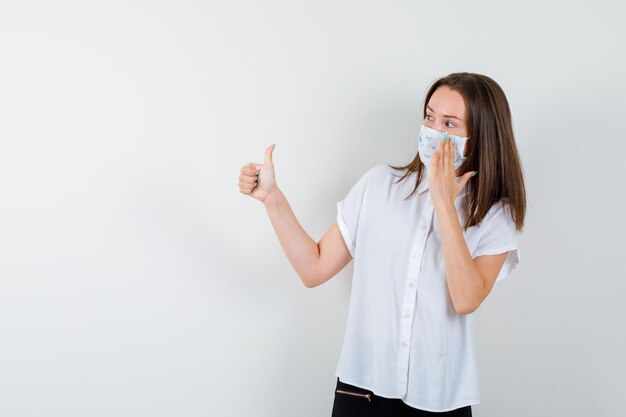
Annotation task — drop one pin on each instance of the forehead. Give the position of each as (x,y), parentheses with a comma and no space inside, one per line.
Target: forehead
(447,101)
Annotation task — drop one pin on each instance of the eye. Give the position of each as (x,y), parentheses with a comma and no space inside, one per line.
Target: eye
(429,117)
(450,124)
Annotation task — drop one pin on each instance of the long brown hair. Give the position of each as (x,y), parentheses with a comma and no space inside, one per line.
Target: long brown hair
(492,149)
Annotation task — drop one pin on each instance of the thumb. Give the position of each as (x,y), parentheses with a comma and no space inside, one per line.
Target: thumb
(268,154)
(466,177)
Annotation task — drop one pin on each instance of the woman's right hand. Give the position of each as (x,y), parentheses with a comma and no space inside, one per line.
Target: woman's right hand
(262,186)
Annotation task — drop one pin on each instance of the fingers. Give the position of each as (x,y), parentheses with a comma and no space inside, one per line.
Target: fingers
(443,156)
(248,178)
(246,186)
(249,169)
(436,157)
(446,150)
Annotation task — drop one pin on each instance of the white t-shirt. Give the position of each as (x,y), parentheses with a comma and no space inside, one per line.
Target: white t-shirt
(404,339)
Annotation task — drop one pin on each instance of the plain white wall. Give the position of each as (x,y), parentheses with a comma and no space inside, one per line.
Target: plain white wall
(135,279)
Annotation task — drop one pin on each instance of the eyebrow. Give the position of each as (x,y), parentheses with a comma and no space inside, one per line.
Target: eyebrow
(445,115)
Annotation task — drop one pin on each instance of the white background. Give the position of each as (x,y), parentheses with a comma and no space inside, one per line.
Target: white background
(135,279)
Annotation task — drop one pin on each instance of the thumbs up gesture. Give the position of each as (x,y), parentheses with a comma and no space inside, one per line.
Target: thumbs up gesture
(258,180)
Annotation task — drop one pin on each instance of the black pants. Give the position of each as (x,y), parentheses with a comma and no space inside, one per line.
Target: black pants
(352,401)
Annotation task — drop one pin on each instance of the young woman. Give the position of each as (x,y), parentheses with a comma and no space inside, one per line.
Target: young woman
(429,240)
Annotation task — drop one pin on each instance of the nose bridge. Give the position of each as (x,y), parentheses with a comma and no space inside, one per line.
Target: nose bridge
(437,124)
(441,126)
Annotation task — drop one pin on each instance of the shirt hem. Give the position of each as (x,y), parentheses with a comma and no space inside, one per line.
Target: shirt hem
(343,228)
(394,396)
(495,251)
(441,410)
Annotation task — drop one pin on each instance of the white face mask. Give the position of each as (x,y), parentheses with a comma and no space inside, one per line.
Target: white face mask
(430,138)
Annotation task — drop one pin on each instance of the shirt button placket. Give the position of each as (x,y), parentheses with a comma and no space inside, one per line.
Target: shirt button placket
(410,295)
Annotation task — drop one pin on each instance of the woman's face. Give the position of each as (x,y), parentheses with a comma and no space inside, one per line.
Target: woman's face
(446,112)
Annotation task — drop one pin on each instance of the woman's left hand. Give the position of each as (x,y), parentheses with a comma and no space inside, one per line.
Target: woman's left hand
(444,187)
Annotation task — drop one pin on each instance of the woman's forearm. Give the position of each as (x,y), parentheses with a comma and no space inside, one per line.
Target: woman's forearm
(301,250)
(465,282)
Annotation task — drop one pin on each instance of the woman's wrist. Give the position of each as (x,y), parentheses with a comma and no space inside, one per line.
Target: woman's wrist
(444,206)
(272,197)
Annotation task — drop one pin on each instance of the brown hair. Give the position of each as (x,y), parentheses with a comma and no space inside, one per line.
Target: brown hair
(492,149)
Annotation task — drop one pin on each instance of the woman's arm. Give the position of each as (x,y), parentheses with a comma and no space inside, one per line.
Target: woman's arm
(315,263)
(469,281)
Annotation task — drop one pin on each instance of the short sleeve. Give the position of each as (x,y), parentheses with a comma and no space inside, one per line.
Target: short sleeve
(348,211)
(500,236)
